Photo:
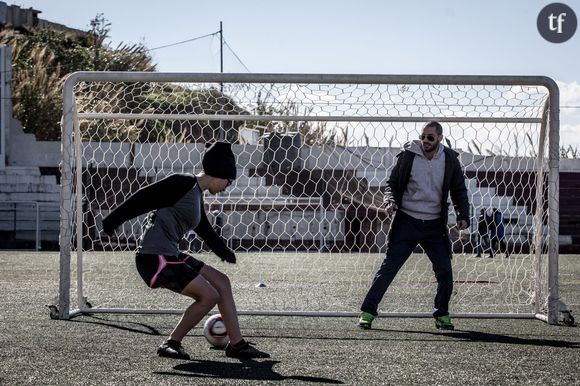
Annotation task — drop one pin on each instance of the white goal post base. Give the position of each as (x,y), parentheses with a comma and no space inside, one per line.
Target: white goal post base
(306,214)
(88,311)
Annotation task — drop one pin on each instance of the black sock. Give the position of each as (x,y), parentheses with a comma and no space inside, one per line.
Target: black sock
(240,344)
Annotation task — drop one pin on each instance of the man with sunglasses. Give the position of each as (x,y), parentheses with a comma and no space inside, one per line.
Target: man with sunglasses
(424,175)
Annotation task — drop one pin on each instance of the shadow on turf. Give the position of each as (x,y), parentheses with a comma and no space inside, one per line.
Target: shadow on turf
(244,370)
(478,336)
(146,329)
(465,335)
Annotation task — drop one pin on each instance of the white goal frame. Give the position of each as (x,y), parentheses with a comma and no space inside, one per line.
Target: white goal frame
(72,168)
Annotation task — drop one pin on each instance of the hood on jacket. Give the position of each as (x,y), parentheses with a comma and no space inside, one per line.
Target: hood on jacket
(414,146)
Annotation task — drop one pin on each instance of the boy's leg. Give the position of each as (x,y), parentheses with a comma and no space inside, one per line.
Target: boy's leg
(179,274)
(206,297)
(237,347)
(226,304)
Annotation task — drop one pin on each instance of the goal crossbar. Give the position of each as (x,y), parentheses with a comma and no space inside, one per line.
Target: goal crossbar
(306,118)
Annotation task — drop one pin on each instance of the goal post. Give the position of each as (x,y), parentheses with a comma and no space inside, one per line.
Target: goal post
(305,216)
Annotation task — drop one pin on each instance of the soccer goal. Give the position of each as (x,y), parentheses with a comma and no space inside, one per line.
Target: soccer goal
(306,215)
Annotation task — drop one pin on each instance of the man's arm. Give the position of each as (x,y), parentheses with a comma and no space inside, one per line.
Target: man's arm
(458,192)
(393,183)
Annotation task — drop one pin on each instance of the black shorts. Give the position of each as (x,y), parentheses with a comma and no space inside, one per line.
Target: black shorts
(171,272)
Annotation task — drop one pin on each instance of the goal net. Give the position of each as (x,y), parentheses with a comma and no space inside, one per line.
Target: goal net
(306,215)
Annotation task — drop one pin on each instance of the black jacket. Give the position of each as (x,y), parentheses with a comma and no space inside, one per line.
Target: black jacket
(453,183)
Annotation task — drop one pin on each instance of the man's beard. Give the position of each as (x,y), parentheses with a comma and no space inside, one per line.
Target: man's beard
(432,147)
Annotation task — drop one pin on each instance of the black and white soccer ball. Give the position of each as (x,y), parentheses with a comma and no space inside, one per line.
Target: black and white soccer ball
(215,332)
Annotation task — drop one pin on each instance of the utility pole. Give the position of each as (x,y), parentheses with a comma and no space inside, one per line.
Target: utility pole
(221,48)
(221,134)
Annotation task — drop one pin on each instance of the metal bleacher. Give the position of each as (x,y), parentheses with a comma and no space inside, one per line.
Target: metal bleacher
(29,208)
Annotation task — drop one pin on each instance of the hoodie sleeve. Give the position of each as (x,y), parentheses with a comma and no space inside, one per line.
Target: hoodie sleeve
(160,194)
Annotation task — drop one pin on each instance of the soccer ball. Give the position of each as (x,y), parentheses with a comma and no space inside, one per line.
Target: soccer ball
(215,332)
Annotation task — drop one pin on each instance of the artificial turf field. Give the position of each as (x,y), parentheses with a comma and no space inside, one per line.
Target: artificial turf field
(107,349)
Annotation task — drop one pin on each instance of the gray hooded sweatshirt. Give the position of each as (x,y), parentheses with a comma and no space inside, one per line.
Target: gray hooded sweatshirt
(422,197)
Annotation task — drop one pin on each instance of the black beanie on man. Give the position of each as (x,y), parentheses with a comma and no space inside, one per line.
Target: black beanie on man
(219,160)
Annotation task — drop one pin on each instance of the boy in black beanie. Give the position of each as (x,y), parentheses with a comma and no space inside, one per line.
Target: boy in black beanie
(176,206)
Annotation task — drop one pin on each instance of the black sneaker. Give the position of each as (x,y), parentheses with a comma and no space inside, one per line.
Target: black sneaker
(247,351)
(172,350)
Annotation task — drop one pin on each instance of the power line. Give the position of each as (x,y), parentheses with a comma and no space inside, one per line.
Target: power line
(236,56)
(183,41)
(225,43)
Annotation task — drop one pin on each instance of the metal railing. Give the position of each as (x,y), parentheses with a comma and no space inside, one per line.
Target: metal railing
(21,218)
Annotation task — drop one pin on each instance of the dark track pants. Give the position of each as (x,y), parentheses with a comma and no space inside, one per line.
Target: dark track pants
(406,232)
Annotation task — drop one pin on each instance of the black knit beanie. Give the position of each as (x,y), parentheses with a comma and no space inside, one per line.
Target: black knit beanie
(219,161)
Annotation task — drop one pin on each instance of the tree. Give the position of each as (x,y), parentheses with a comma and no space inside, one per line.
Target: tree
(312,133)
(42,59)
(100,28)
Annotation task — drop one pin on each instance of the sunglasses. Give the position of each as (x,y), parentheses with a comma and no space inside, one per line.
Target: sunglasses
(428,137)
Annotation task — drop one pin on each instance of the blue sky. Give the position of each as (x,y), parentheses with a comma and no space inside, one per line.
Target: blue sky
(493,37)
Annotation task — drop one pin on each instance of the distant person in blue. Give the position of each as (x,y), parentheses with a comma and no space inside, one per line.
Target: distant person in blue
(425,174)
(498,233)
(484,225)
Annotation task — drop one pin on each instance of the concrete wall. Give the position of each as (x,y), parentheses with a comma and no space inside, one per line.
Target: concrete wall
(373,164)
(24,150)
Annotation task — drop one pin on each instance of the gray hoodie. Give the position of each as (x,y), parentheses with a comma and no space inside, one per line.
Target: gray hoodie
(422,197)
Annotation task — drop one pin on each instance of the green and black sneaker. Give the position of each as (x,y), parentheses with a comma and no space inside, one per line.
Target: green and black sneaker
(444,323)
(366,320)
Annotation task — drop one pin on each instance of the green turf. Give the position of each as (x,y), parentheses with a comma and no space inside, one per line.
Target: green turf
(120,349)
(325,282)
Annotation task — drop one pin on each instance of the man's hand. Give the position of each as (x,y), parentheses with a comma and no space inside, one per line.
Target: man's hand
(461,225)
(391,208)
